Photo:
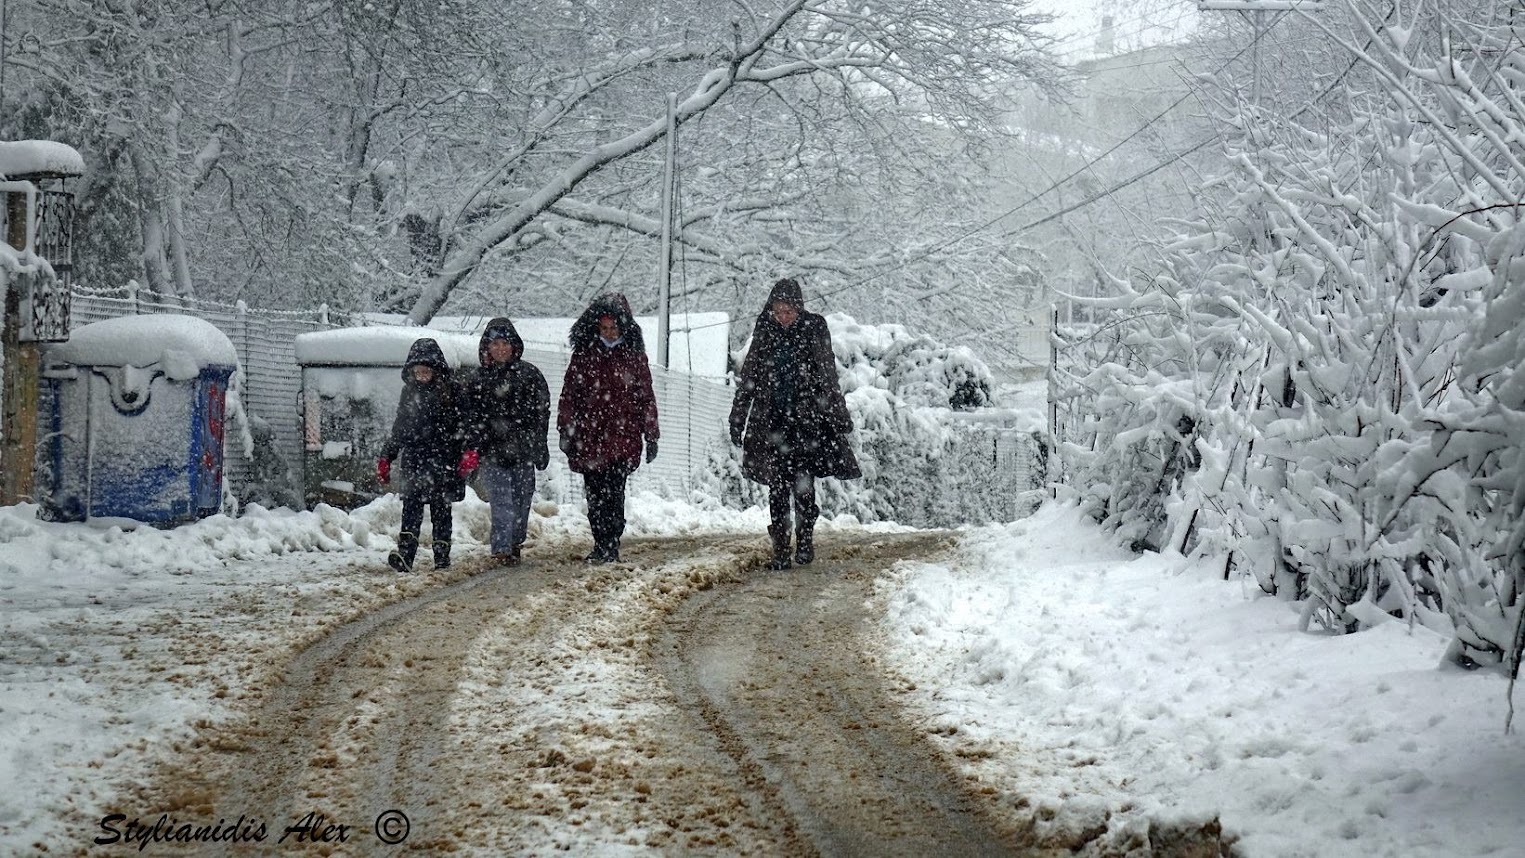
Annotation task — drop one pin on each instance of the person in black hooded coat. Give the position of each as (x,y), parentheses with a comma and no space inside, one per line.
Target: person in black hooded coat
(790,418)
(427,435)
(508,417)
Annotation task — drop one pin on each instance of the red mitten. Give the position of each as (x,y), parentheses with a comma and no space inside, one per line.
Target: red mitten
(384,470)
(469,462)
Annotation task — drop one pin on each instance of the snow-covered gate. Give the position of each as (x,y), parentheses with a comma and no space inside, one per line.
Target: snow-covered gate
(995,470)
(263,338)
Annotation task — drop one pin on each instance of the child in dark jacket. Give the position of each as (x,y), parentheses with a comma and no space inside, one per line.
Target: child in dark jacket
(427,435)
(508,410)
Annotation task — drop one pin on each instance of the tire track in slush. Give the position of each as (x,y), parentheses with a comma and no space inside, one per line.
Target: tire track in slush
(776,670)
(778,737)
(355,726)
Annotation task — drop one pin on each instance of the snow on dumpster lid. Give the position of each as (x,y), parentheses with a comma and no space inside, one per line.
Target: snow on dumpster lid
(183,345)
(379,346)
(39,157)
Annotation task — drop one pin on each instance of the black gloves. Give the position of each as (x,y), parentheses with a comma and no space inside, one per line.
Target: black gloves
(651,450)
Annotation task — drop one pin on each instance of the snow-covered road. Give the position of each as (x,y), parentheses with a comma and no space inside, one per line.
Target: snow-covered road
(1085,692)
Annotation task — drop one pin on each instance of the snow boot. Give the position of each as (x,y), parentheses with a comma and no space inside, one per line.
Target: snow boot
(804,544)
(441,554)
(407,549)
(604,552)
(780,537)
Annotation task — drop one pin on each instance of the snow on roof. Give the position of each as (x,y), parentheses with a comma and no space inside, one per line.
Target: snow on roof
(45,157)
(697,342)
(385,345)
(183,345)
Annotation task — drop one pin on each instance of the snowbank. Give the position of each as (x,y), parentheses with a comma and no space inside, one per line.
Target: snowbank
(1105,688)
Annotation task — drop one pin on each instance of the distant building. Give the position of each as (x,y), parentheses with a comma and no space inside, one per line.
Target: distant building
(1122,93)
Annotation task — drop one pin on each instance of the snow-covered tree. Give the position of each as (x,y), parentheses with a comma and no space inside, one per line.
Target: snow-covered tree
(506,156)
(1322,381)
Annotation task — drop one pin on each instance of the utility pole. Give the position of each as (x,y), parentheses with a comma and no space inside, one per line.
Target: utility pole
(1256,11)
(669,172)
(2,52)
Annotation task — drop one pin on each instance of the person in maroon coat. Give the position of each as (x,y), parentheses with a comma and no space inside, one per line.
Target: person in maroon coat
(790,418)
(606,409)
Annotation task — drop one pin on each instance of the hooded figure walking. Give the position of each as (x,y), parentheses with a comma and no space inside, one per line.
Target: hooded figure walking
(508,413)
(427,435)
(790,419)
(607,407)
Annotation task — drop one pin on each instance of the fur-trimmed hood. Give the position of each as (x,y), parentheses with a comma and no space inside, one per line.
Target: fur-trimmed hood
(584,334)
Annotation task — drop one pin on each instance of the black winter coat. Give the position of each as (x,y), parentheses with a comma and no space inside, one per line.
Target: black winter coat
(508,405)
(427,431)
(788,399)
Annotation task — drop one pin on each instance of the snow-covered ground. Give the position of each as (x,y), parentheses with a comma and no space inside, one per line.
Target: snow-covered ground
(1067,671)
(1064,669)
(114,643)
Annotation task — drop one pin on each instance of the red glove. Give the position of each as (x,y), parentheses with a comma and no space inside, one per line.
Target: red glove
(469,462)
(384,470)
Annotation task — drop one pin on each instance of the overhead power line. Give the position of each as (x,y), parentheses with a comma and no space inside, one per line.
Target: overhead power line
(1151,122)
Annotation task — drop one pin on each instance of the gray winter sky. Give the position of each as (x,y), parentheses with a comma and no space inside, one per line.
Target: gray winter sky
(1136,23)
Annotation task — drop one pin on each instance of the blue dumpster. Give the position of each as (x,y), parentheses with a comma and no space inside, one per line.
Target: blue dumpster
(133,420)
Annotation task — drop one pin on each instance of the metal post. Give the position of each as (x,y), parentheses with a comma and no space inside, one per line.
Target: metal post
(664,299)
(1259,28)
(2,51)
(1256,10)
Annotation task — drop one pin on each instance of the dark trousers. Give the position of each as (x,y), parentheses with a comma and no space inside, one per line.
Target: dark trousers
(413,518)
(794,482)
(606,507)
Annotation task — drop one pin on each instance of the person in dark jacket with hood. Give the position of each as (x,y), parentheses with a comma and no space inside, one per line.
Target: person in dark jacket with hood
(790,419)
(607,407)
(508,415)
(426,434)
